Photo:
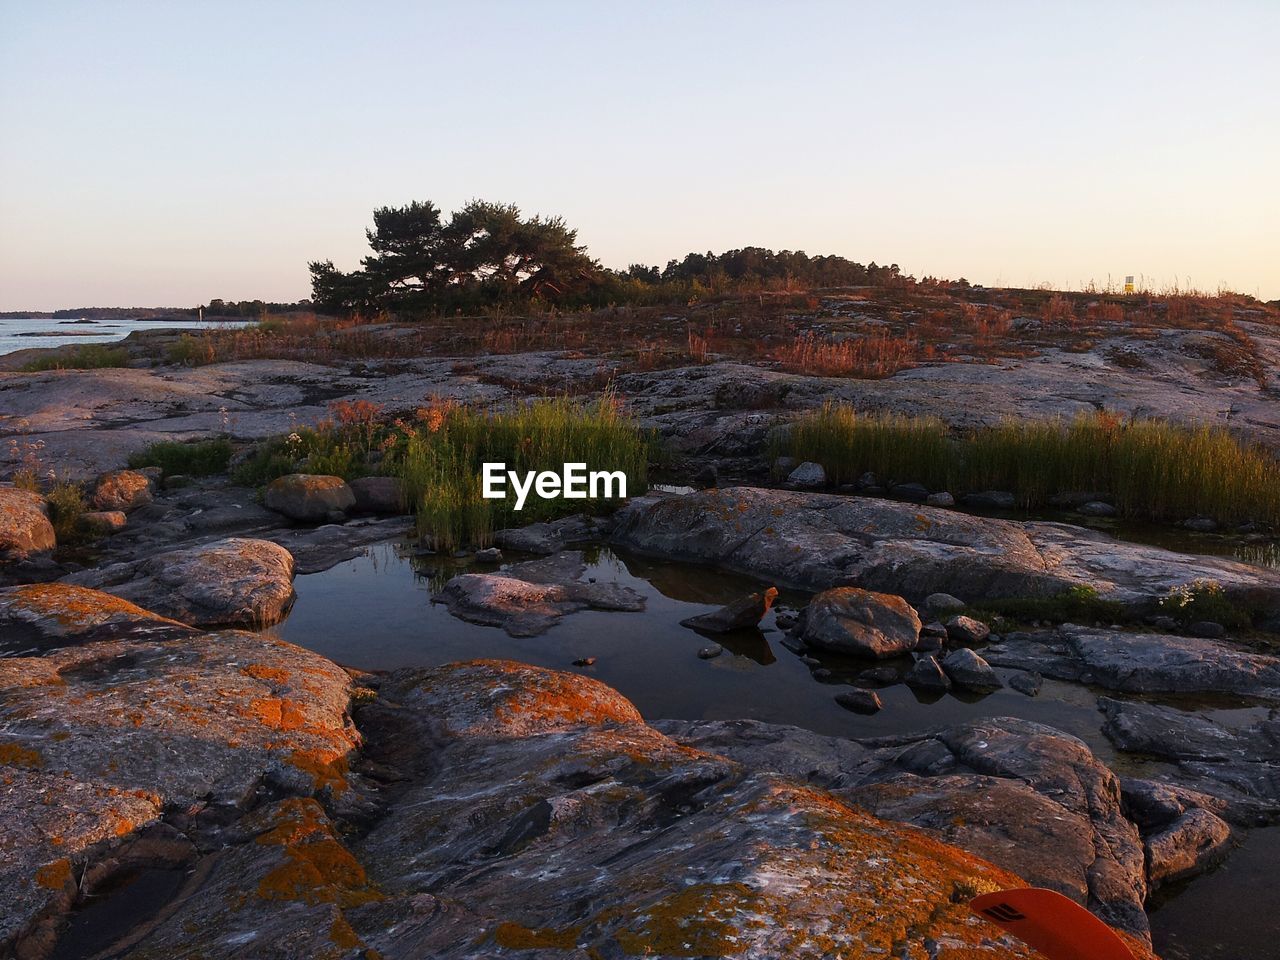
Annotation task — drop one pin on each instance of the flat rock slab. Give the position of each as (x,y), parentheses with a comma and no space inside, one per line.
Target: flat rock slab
(1238,766)
(101,740)
(1023,795)
(526,609)
(38,617)
(231,582)
(1140,662)
(814,541)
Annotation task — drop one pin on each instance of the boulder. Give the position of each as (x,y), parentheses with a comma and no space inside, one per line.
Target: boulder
(104,522)
(940,499)
(25,530)
(859,701)
(124,490)
(1193,843)
(861,623)
(309,497)
(990,500)
(914,492)
(231,582)
(739,615)
(814,541)
(967,630)
(1027,682)
(927,674)
(807,476)
(381,495)
(969,671)
(940,604)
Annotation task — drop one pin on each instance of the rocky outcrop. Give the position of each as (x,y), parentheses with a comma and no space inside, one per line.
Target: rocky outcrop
(861,623)
(550,537)
(1025,796)
(816,541)
(232,582)
(123,490)
(309,497)
(25,529)
(102,741)
(740,615)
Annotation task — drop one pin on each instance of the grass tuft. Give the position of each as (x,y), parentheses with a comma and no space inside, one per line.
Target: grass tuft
(1150,469)
(201,459)
(89,356)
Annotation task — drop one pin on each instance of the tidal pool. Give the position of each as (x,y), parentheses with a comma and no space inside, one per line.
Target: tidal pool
(375,613)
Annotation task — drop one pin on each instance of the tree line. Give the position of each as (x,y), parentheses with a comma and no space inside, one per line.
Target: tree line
(489,254)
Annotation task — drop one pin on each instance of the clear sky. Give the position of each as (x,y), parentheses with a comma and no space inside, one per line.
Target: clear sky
(165,153)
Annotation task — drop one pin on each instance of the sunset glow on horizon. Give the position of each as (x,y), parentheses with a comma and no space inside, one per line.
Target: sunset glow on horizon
(167,155)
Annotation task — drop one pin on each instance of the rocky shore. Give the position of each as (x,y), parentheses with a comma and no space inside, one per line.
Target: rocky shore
(491,808)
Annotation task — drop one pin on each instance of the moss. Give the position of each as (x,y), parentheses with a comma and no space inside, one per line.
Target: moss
(1079,604)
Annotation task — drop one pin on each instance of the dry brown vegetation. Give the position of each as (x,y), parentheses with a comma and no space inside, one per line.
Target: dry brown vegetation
(858,332)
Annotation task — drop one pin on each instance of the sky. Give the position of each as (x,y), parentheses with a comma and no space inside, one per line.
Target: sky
(168,153)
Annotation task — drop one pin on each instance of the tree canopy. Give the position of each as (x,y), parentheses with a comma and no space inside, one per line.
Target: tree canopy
(488,254)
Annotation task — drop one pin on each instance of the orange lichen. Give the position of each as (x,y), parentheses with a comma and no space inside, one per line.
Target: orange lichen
(317,867)
(54,876)
(71,606)
(277,712)
(261,672)
(693,922)
(325,770)
(342,935)
(16,755)
(515,936)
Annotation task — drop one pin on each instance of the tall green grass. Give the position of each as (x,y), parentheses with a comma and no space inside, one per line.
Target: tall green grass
(1151,469)
(440,463)
(89,356)
(897,448)
(201,458)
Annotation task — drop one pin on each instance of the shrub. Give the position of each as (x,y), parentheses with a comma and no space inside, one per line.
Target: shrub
(66,511)
(1204,600)
(870,357)
(89,356)
(200,459)
(192,351)
(270,460)
(1079,604)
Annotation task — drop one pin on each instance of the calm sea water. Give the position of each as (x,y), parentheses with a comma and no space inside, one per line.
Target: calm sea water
(21,333)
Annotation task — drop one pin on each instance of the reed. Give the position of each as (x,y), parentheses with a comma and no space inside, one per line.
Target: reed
(440,462)
(1151,469)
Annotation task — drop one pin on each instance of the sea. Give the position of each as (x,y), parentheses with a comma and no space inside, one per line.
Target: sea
(21,333)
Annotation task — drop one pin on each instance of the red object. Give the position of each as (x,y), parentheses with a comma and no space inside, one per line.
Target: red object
(1055,925)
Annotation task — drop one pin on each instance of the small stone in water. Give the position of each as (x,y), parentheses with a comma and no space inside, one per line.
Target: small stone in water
(859,701)
(711,652)
(584,661)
